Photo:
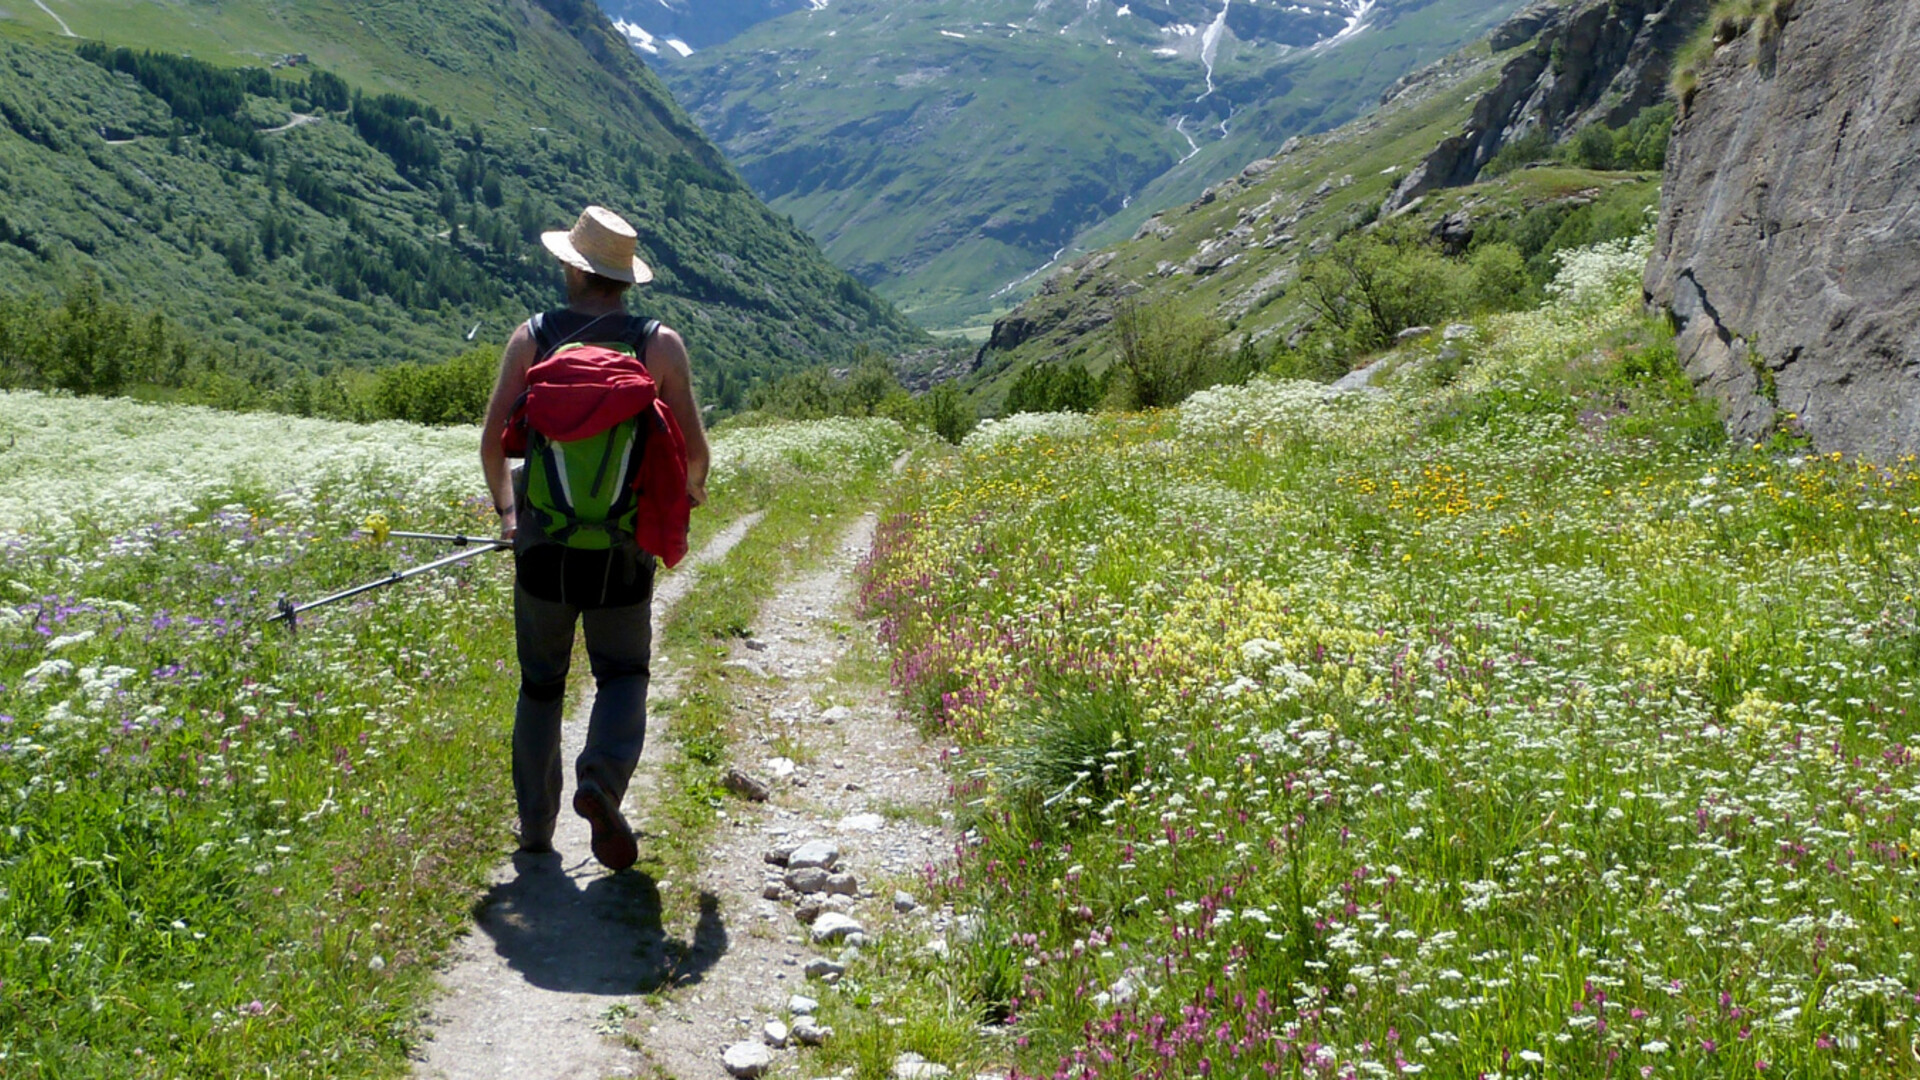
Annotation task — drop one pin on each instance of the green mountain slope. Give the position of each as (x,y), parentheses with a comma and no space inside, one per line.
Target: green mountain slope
(945,150)
(377,199)
(1439,161)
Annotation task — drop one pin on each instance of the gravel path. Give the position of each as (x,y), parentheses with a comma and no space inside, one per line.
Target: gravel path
(563,945)
(556,984)
(838,766)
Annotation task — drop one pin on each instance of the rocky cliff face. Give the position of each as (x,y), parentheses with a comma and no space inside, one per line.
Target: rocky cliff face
(1596,61)
(1789,245)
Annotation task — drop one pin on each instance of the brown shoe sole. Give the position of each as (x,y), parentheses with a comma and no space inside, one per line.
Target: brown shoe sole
(613,843)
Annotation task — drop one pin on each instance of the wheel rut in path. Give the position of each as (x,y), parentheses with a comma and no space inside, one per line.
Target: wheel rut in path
(841,766)
(561,944)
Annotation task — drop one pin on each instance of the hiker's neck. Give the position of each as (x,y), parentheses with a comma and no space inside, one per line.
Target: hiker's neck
(587,303)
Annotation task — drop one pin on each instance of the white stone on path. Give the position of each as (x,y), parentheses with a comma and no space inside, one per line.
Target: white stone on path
(814,853)
(747,1059)
(911,1066)
(801,1005)
(775,1033)
(862,823)
(831,927)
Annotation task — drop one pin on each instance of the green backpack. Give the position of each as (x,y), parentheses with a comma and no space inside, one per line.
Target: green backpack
(581,492)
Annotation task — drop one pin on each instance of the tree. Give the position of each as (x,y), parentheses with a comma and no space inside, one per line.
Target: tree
(948,412)
(1371,285)
(1164,354)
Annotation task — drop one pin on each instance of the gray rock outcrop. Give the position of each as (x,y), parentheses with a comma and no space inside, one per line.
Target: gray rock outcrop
(1788,252)
(1589,61)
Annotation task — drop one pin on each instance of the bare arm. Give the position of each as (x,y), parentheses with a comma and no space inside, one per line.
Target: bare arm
(507,389)
(673,373)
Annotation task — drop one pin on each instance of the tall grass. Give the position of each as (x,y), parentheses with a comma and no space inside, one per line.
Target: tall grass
(1512,725)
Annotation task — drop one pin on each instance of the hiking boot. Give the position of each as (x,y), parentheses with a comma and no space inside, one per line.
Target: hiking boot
(536,839)
(613,842)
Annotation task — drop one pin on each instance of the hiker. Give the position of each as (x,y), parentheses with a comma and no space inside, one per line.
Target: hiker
(568,566)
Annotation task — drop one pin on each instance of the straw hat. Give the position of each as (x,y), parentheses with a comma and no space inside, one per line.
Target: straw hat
(601,242)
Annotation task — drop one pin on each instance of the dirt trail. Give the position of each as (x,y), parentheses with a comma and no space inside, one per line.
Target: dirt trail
(841,767)
(299,120)
(553,985)
(65,30)
(561,943)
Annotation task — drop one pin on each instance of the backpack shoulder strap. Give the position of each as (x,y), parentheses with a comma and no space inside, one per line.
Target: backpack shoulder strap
(639,333)
(537,329)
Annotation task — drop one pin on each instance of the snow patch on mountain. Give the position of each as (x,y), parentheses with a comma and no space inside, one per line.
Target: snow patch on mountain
(1356,22)
(645,41)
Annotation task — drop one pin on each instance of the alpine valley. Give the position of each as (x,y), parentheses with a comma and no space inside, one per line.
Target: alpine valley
(949,152)
(331,185)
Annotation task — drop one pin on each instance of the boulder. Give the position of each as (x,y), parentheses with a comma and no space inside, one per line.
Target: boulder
(1788,252)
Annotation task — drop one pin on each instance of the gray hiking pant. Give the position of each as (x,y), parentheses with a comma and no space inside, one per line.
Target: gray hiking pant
(619,649)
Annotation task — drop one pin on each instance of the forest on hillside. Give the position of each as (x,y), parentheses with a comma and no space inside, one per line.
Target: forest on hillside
(316,227)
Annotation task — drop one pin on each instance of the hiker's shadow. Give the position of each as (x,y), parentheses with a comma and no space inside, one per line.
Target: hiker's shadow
(606,938)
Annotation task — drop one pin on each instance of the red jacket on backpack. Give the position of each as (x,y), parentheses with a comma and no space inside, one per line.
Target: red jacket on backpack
(582,391)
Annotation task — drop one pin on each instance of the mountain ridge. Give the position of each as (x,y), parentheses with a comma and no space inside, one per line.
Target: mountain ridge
(905,138)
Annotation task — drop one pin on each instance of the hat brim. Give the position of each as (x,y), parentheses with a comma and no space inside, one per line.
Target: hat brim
(561,245)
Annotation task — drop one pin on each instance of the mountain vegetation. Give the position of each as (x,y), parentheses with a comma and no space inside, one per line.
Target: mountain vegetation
(1316,256)
(374,196)
(233,849)
(1469,726)
(946,151)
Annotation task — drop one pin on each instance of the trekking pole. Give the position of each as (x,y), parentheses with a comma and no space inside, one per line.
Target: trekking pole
(456,539)
(289,611)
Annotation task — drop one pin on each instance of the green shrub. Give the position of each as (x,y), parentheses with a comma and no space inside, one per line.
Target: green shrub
(1370,286)
(1054,388)
(1498,279)
(1640,144)
(453,392)
(1319,358)
(870,388)
(1164,355)
(949,413)
(1535,145)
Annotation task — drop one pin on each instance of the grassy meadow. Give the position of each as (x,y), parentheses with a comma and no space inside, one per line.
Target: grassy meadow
(1504,723)
(226,849)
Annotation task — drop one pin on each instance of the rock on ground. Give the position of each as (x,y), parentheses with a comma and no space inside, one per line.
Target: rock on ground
(747,1059)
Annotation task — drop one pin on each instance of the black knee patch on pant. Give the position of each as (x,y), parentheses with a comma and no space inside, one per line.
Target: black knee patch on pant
(543,692)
